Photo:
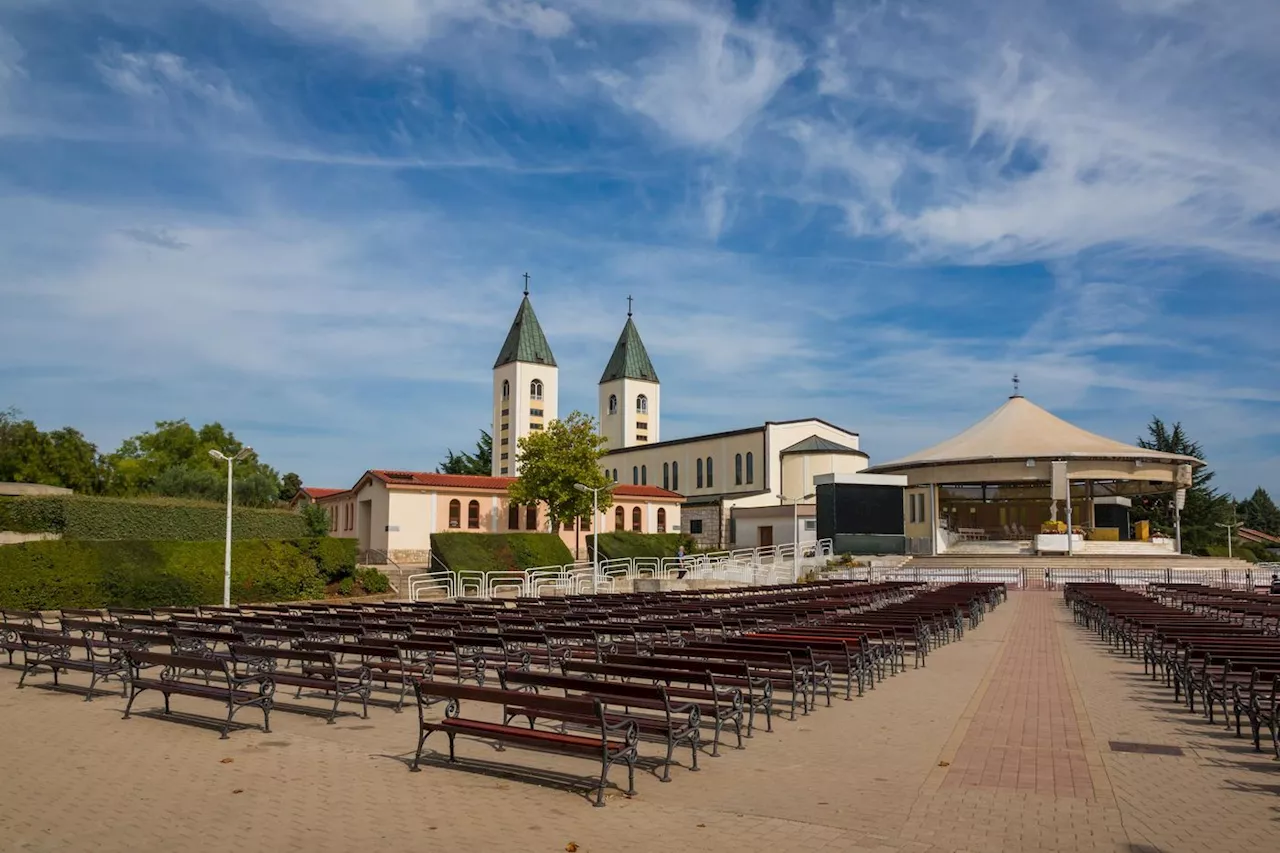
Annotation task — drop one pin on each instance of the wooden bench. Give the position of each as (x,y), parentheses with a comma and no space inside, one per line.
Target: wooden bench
(53,651)
(608,742)
(236,691)
(756,689)
(318,671)
(13,621)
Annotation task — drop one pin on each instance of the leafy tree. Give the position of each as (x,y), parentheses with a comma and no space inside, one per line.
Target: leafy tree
(552,460)
(479,464)
(1259,512)
(290,485)
(1205,506)
(62,457)
(316,518)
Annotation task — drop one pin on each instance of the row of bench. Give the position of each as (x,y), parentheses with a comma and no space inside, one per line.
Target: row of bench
(656,669)
(1221,654)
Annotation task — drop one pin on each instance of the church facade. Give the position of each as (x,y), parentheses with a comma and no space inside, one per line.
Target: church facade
(742,488)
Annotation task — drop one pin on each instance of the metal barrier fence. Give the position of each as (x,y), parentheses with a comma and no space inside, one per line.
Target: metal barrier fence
(1024,577)
(757,566)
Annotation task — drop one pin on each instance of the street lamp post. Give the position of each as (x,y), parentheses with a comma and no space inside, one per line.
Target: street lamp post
(226,563)
(1230,530)
(795,520)
(595,524)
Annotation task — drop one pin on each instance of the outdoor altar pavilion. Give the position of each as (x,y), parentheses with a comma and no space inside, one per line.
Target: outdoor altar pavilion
(989,489)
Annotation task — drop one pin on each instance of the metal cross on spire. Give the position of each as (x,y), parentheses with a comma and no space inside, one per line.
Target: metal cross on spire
(1017,384)
(629,306)
(526,284)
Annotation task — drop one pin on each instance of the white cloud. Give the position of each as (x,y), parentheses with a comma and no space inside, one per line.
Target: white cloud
(162,76)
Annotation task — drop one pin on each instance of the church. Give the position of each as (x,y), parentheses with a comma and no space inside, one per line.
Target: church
(742,488)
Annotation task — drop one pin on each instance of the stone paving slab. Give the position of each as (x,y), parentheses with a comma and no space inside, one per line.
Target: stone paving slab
(908,767)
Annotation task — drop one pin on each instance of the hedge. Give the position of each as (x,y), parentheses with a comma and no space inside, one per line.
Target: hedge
(624,543)
(81,517)
(130,573)
(486,552)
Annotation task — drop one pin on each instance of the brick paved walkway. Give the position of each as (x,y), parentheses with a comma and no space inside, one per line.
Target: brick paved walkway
(980,751)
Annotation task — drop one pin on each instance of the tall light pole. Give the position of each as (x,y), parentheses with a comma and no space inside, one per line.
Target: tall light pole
(795,520)
(226,563)
(1230,530)
(595,524)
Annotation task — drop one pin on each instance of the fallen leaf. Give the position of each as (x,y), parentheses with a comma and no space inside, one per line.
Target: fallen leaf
(571,847)
(226,761)
(702,826)
(944,763)
(238,791)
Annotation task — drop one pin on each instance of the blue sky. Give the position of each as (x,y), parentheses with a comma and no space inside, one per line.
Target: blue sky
(308,218)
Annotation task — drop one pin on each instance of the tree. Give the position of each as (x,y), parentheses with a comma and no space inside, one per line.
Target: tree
(290,485)
(1259,512)
(1205,507)
(552,460)
(316,519)
(62,457)
(478,464)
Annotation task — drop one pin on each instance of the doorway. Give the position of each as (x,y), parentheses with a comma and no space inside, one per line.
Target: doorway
(764,536)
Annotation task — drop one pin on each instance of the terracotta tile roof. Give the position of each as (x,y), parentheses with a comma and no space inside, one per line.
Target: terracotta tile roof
(1252,535)
(315,493)
(467,481)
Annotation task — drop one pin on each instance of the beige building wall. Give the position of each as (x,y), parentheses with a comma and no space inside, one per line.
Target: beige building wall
(799,470)
(781,522)
(784,435)
(622,428)
(684,457)
(514,417)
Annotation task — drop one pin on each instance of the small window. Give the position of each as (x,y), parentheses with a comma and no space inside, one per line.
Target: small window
(699,478)
(506,390)
(642,424)
(531,518)
(333,518)
(505,426)
(695,526)
(911,509)
(473,515)
(505,441)
(513,517)
(751,468)
(535,389)
(666,475)
(619,518)
(535,413)
(642,405)
(455,514)
(504,470)
(711,482)
(662,520)
(675,476)
(635,519)
(642,438)
(613,404)
(584,523)
(615,475)
(635,475)
(737,470)
(568,524)
(810,525)
(535,426)
(505,456)
(644,475)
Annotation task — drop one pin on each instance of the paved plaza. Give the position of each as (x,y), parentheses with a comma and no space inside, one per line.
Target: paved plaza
(1003,743)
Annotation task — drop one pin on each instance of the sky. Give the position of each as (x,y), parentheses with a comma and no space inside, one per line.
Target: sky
(309,219)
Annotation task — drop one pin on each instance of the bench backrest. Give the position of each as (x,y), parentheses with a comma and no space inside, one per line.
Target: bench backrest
(175,664)
(245,653)
(577,706)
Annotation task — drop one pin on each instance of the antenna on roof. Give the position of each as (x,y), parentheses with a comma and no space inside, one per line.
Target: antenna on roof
(526,284)
(628,306)
(1017,386)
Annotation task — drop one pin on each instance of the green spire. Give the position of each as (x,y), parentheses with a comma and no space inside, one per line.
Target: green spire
(629,360)
(525,342)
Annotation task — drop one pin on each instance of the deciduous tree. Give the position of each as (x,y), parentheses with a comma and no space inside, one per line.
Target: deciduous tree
(478,464)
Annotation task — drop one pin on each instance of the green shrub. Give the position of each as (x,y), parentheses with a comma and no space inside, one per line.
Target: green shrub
(347,586)
(485,552)
(129,573)
(81,517)
(373,581)
(624,543)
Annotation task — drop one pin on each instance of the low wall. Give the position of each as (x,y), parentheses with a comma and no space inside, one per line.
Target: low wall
(8,537)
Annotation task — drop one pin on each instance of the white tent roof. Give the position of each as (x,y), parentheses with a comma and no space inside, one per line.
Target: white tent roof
(1022,430)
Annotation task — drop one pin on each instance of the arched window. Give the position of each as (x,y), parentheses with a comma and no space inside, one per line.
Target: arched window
(737,470)
(711,480)
(506,389)
(455,513)
(662,520)
(644,475)
(619,519)
(699,474)
(751,468)
(615,475)
(473,515)
(635,519)
(513,516)
(535,389)
(613,404)
(666,475)
(635,475)
(675,476)
(531,517)
(642,405)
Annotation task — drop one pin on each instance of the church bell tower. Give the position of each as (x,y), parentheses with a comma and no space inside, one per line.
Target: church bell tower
(526,386)
(630,401)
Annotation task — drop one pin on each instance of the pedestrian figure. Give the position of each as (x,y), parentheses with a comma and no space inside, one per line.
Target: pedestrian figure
(680,562)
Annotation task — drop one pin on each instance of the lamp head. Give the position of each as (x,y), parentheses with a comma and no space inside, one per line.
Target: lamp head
(218,455)
(243,454)
(581,487)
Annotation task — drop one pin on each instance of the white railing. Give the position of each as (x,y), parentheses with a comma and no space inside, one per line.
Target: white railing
(756,566)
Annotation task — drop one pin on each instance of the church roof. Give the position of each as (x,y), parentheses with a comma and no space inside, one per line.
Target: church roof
(1022,430)
(818,444)
(525,341)
(482,483)
(630,360)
